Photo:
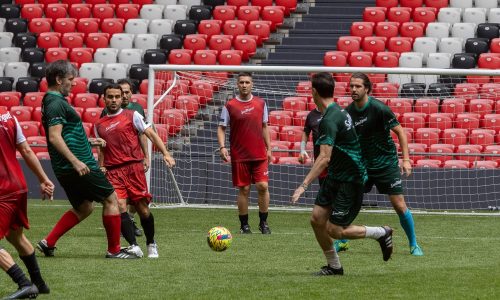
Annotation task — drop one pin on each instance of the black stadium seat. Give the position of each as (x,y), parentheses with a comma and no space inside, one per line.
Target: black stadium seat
(171,41)
(24,40)
(185,27)
(139,71)
(488,30)
(16,25)
(10,11)
(477,46)
(200,12)
(6,84)
(97,85)
(155,56)
(463,61)
(26,85)
(33,55)
(214,3)
(412,90)
(37,69)
(440,90)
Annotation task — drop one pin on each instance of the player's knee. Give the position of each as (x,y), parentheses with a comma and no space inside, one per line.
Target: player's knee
(122,205)
(317,222)
(398,202)
(261,187)
(335,231)
(245,190)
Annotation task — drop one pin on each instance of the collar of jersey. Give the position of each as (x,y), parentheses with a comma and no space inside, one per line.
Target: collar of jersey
(244,101)
(55,94)
(115,114)
(365,106)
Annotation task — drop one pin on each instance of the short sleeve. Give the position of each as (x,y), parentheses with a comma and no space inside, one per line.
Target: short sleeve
(265,115)
(224,117)
(307,125)
(139,122)
(55,113)
(389,118)
(327,132)
(20,138)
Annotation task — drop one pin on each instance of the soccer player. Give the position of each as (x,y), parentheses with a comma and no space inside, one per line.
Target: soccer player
(250,146)
(341,194)
(122,162)
(126,86)
(312,126)
(373,121)
(13,206)
(74,165)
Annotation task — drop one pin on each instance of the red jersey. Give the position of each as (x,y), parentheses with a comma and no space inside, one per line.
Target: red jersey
(12,180)
(245,119)
(120,131)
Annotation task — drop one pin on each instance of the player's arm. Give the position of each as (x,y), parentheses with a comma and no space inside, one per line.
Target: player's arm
(303,156)
(156,140)
(403,143)
(221,134)
(267,141)
(143,140)
(100,152)
(56,139)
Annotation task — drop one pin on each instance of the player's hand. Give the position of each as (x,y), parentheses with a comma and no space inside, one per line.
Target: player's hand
(224,154)
(303,157)
(97,142)
(47,188)
(296,195)
(103,170)
(169,160)
(269,156)
(81,168)
(145,163)
(406,168)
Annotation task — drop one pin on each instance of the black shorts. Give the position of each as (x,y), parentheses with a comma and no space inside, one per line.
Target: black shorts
(345,199)
(389,183)
(91,187)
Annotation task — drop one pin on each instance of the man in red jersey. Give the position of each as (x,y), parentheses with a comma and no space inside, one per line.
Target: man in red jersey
(13,206)
(250,142)
(122,162)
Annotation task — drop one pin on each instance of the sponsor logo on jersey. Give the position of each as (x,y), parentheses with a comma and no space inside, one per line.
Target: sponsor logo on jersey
(348,122)
(266,173)
(5,117)
(396,183)
(112,126)
(361,121)
(247,110)
(339,213)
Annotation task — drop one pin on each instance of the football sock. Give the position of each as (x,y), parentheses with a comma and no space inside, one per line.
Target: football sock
(127,229)
(112,224)
(332,259)
(408,225)
(263,216)
(67,221)
(374,232)
(33,269)
(243,220)
(148,224)
(18,276)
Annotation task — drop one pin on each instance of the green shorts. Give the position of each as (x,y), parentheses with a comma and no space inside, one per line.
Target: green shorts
(389,183)
(345,198)
(91,187)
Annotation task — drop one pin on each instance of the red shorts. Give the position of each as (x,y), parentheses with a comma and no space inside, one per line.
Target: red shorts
(13,214)
(247,172)
(323,174)
(129,182)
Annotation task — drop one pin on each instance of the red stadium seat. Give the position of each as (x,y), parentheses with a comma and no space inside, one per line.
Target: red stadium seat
(166,103)
(210,27)
(453,105)
(469,149)
(291,133)
(237,3)
(492,153)
(29,128)
(490,91)
(261,3)
(79,85)
(72,40)
(436,3)
(454,136)
(54,54)
(491,121)
(205,57)
(280,148)
(97,40)
(8,99)
(234,27)
(441,149)
(224,12)
(349,43)
(441,120)
(483,137)
(289,5)
(112,25)
(22,113)
(386,60)
(456,164)
(56,10)
(32,11)
(43,155)
(80,10)
(127,11)
(37,143)
(179,57)
(195,42)
(87,25)
(175,119)
(387,29)
(81,55)
(489,61)
(219,43)
(288,161)
(344,101)
(103,11)
(280,118)
(300,118)
(467,90)
(203,89)
(400,44)
(230,57)
(189,104)
(427,136)
(374,14)
(481,164)
(412,29)
(33,99)
(399,14)
(467,121)
(248,13)
(261,29)
(416,148)
(386,3)
(385,90)
(335,59)
(362,29)
(425,15)
(374,44)
(360,59)
(181,87)
(49,40)
(274,132)
(39,25)
(275,14)
(428,163)
(304,88)
(427,105)
(495,45)
(295,104)
(91,114)
(341,89)
(481,106)
(247,44)
(85,100)
(64,25)
(413,120)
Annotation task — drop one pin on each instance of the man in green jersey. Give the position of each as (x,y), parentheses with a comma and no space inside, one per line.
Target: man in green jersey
(341,194)
(74,165)
(374,121)
(126,86)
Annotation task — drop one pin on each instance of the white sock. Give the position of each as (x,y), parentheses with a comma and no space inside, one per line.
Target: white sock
(332,259)
(374,232)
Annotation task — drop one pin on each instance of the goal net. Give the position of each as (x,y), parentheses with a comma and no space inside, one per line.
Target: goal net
(451,118)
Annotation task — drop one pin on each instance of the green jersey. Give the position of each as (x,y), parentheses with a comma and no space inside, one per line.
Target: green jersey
(132,106)
(336,130)
(373,124)
(57,111)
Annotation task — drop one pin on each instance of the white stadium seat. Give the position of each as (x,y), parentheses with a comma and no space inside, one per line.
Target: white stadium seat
(189,3)
(10,54)
(451,45)
(91,71)
(130,56)
(486,3)
(450,15)
(175,12)
(494,15)
(6,39)
(116,71)
(2,24)
(122,41)
(463,30)
(439,60)
(161,26)
(438,30)
(166,2)
(106,55)
(16,69)
(136,26)
(425,45)
(2,67)
(474,15)
(152,11)
(461,3)
(146,41)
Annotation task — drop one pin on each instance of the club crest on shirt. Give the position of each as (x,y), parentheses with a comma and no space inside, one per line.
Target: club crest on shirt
(112,126)
(6,116)
(247,110)
(348,122)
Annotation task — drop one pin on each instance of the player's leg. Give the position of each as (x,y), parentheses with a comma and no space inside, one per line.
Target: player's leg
(27,255)
(260,176)
(241,179)
(131,213)
(25,288)
(148,224)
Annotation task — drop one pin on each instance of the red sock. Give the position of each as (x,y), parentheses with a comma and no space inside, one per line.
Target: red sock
(67,221)
(112,224)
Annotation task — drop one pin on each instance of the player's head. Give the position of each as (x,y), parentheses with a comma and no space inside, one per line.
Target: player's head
(60,75)
(127,90)
(323,85)
(113,97)
(245,85)
(360,86)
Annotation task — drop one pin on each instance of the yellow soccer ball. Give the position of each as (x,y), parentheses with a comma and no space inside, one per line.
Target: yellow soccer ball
(219,238)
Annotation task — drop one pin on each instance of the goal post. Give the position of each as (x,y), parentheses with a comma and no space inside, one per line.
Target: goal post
(451,118)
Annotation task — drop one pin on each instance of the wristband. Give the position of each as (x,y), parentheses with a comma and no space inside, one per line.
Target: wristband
(221,148)
(304,186)
(407,159)
(303,146)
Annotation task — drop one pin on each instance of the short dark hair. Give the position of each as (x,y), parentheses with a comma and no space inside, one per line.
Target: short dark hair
(324,84)
(125,81)
(366,80)
(244,74)
(112,86)
(59,68)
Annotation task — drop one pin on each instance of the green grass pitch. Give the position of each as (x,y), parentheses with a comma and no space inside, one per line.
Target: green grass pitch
(462,260)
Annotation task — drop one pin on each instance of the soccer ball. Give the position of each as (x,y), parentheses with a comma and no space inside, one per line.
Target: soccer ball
(219,238)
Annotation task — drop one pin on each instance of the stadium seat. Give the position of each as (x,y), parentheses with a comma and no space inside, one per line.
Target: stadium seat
(56,10)
(64,25)
(427,136)
(26,84)
(146,41)
(438,30)
(475,15)
(466,90)
(412,90)
(441,120)
(91,70)
(456,164)
(106,55)
(399,44)
(210,27)
(248,13)
(335,59)
(450,15)
(386,60)
(480,164)
(203,89)
(494,15)
(385,90)
(300,118)
(477,45)
(33,100)
(360,59)
(39,25)
(414,148)
(32,11)
(151,12)
(374,14)
(85,100)
(16,70)
(291,134)
(81,55)
(54,54)
(469,149)
(463,61)
(205,57)
(461,3)
(412,29)
(424,15)
(411,3)
(247,44)
(492,153)
(139,72)
(195,42)
(112,26)
(10,54)
(136,26)
(387,29)
(127,11)
(174,118)
(22,113)
(349,43)
(122,41)
(275,14)
(115,71)
(427,105)
(374,44)
(16,25)
(199,13)
(180,57)
(224,13)
(428,163)
(439,60)
(467,121)
(230,57)
(295,104)
(261,29)
(103,11)
(491,121)
(91,114)
(399,14)
(87,25)
(362,29)
(33,55)
(24,40)
(72,40)
(489,61)
(482,137)
(189,104)
(175,12)
(184,27)
(6,39)
(49,40)
(280,118)
(481,106)
(426,46)
(413,120)
(439,150)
